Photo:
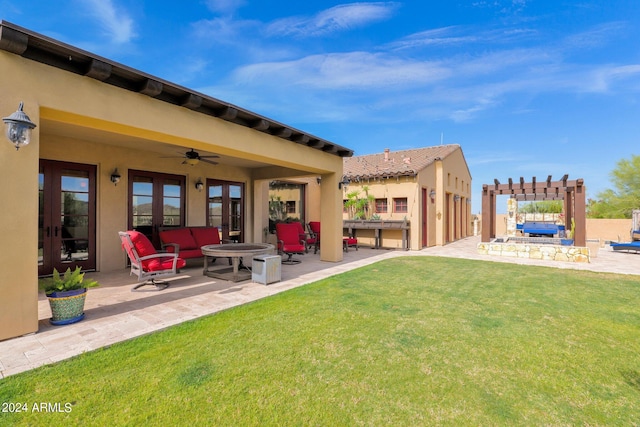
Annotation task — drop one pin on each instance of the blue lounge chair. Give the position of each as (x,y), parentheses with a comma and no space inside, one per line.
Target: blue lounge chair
(628,246)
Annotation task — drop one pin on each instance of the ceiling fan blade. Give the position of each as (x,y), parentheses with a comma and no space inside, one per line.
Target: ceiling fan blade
(208,161)
(214,156)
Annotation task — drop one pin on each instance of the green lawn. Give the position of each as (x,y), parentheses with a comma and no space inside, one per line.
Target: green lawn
(408,341)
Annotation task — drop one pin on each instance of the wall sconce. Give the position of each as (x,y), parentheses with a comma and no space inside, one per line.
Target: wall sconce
(115,177)
(343,183)
(319,180)
(19,127)
(432,195)
(456,198)
(199,185)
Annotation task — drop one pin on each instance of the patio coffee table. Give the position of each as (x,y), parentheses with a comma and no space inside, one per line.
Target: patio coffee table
(236,251)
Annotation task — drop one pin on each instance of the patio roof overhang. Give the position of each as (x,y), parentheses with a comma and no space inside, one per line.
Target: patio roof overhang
(37,47)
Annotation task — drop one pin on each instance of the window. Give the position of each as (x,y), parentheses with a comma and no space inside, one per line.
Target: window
(381,205)
(286,201)
(400,205)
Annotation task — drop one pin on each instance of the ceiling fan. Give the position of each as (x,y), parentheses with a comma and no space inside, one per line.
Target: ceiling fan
(192,158)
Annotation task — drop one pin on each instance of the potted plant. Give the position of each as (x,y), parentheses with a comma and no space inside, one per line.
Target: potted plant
(66,295)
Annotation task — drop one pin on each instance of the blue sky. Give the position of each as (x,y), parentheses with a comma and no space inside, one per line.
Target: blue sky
(526,87)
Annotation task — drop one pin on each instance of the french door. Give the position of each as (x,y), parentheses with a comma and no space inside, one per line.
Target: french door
(67,216)
(425,218)
(225,208)
(155,200)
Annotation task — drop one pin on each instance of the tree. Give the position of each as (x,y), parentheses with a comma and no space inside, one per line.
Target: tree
(546,206)
(624,198)
(360,207)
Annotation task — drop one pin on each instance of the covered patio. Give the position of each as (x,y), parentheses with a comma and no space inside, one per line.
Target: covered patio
(114,313)
(114,148)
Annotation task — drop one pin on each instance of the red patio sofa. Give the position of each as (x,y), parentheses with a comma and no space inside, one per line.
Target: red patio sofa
(187,241)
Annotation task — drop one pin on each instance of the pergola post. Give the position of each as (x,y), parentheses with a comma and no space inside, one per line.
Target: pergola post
(579,203)
(488,214)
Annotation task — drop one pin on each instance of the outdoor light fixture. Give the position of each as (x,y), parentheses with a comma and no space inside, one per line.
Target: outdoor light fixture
(343,183)
(199,185)
(432,195)
(319,180)
(19,127)
(115,177)
(456,198)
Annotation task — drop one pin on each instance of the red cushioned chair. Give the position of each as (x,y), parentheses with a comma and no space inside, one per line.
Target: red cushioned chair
(289,241)
(309,239)
(349,242)
(146,262)
(314,230)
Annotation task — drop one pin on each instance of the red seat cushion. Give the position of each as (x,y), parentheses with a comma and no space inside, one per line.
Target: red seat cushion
(141,243)
(181,236)
(293,248)
(205,236)
(350,241)
(158,264)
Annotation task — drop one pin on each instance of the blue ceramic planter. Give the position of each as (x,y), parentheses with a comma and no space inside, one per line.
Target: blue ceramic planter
(67,307)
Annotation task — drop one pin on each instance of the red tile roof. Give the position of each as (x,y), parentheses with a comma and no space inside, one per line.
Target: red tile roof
(394,163)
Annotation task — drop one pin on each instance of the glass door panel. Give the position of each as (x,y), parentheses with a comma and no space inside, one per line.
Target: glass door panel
(171,208)
(42,233)
(225,209)
(142,206)
(156,200)
(214,210)
(235,212)
(74,216)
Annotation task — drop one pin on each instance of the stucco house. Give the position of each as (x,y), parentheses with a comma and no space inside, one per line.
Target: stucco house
(429,188)
(115,149)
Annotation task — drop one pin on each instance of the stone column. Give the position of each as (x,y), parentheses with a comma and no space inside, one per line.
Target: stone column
(512,214)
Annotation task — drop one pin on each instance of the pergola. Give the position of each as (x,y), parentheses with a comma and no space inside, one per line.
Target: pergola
(572,192)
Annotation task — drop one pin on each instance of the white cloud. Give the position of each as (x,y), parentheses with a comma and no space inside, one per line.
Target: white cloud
(335,19)
(434,37)
(490,158)
(116,23)
(345,70)
(223,30)
(597,36)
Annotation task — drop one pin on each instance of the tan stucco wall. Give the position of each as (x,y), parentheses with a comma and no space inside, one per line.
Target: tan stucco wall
(83,120)
(456,180)
(19,215)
